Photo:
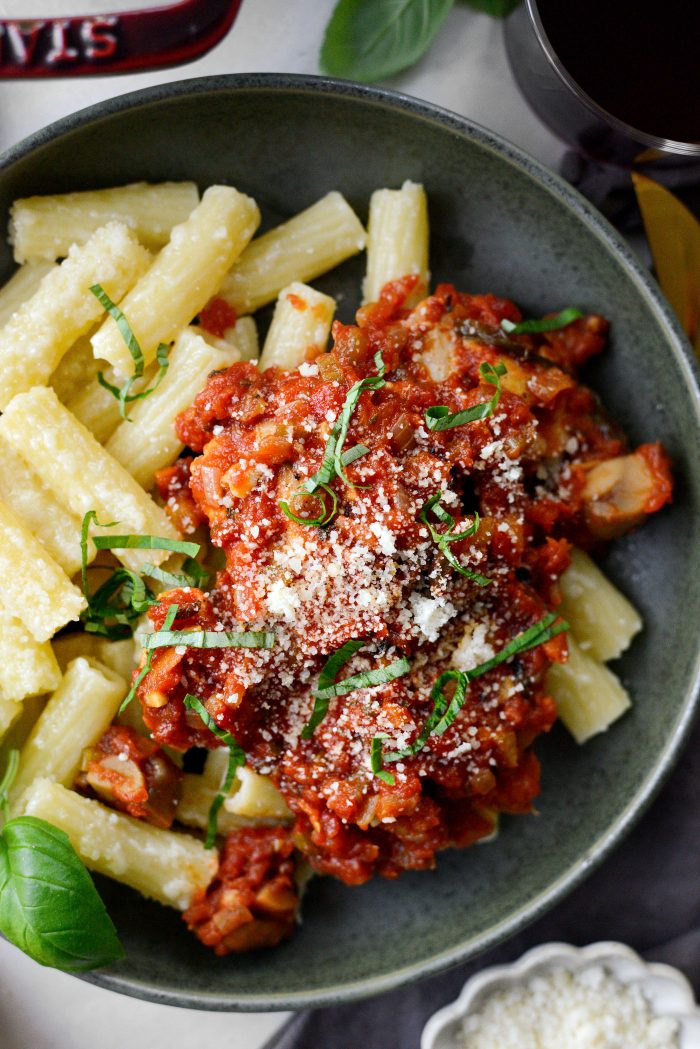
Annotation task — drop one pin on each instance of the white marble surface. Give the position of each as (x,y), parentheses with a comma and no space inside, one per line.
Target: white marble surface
(466,71)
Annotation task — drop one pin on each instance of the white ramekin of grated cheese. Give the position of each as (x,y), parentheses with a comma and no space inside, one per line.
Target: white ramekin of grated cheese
(599,997)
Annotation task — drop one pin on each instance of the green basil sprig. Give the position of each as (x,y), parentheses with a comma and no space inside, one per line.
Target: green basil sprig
(170,617)
(49,906)
(534,327)
(375,760)
(236,760)
(123,393)
(443,539)
(208,639)
(370,40)
(329,687)
(439,417)
(115,606)
(334,458)
(446,709)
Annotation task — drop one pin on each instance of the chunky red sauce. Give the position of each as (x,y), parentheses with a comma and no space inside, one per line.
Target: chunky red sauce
(253,899)
(546,469)
(133,774)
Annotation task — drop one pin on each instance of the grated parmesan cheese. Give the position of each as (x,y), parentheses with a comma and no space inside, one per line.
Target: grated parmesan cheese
(473,647)
(431,613)
(588,1009)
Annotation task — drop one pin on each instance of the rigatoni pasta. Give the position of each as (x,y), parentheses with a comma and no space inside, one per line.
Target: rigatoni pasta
(245,338)
(301,249)
(602,620)
(20,287)
(397,241)
(76,368)
(46,227)
(184,275)
(27,667)
(256,798)
(82,707)
(10,711)
(161,864)
(45,516)
(62,309)
(195,803)
(146,441)
(80,472)
(300,327)
(119,656)
(35,589)
(589,696)
(96,408)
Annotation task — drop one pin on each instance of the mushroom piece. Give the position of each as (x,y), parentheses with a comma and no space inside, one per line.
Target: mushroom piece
(620,492)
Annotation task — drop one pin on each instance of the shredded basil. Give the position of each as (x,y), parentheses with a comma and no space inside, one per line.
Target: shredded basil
(328,687)
(236,760)
(439,417)
(7,781)
(334,458)
(367,679)
(445,710)
(209,639)
(443,539)
(123,394)
(376,759)
(143,542)
(119,601)
(192,574)
(114,607)
(170,616)
(534,327)
(326,514)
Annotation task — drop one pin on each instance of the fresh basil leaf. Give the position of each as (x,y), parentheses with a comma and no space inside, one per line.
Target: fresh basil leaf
(443,539)
(327,512)
(495,8)
(366,679)
(439,417)
(49,906)
(369,40)
(334,458)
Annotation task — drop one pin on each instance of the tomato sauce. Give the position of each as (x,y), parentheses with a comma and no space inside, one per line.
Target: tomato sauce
(532,471)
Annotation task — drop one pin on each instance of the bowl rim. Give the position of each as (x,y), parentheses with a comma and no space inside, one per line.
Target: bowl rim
(566,195)
(622,961)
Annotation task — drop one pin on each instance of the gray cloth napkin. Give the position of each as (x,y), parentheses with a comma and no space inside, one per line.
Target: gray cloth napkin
(647,894)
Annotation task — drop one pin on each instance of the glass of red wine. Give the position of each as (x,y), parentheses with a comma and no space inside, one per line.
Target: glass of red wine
(618,81)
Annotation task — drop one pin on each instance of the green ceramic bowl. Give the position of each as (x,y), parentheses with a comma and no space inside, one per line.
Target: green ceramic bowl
(502,223)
